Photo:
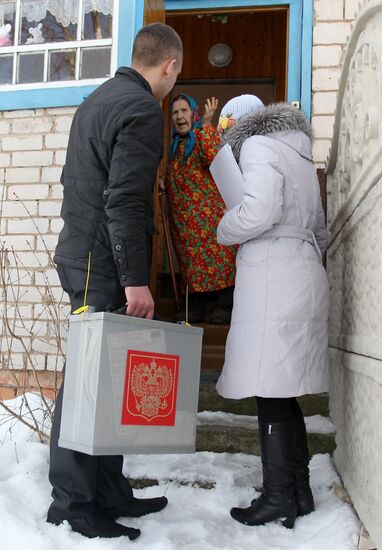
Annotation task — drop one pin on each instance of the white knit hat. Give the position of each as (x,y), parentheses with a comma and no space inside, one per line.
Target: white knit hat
(241,105)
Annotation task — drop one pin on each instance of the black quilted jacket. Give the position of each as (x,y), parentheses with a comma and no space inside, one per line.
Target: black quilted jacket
(114,149)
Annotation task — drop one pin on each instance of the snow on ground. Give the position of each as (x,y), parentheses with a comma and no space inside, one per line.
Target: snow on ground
(195,518)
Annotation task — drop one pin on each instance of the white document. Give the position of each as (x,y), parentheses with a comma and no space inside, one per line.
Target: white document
(228,177)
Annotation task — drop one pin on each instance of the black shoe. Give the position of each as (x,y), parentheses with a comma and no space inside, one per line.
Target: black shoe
(136,508)
(266,509)
(221,311)
(220,316)
(304,501)
(277,501)
(97,526)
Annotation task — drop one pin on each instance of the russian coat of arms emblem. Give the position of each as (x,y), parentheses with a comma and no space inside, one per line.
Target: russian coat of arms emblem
(150,389)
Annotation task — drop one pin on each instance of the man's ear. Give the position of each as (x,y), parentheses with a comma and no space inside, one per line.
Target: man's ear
(169,66)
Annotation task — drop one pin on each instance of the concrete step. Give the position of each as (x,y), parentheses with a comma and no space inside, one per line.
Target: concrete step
(212,358)
(210,400)
(236,439)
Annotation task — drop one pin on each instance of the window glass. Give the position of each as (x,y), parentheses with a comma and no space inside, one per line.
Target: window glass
(95,62)
(39,26)
(50,36)
(97,25)
(7,23)
(6,69)
(62,65)
(30,67)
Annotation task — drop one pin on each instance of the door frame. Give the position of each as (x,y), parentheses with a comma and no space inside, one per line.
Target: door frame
(300,36)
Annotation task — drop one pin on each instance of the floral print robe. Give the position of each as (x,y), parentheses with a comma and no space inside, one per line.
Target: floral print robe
(196,208)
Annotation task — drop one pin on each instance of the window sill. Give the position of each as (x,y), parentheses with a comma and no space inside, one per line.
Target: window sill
(48,95)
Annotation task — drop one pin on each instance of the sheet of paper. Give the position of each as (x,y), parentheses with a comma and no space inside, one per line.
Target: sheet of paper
(228,177)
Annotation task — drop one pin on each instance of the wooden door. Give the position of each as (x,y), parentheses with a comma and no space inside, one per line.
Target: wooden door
(155,13)
(258,38)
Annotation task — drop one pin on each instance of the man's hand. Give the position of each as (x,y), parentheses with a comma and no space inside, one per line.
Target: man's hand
(140,303)
(209,111)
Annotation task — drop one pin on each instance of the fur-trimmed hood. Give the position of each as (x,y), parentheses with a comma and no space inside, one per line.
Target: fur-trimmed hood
(282,119)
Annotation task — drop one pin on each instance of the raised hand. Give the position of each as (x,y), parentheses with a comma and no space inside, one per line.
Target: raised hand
(209,110)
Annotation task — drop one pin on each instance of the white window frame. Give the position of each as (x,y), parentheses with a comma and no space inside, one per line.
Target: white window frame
(59,46)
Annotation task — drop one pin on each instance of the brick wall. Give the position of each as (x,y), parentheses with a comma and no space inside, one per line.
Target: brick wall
(32,153)
(331,28)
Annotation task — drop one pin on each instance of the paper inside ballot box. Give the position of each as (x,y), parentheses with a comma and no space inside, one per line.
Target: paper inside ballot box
(228,177)
(131,385)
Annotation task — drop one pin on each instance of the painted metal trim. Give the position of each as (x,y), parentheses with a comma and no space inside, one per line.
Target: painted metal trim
(294,53)
(48,97)
(306,57)
(131,13)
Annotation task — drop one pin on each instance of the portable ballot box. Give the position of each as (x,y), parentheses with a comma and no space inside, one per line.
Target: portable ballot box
(131,385)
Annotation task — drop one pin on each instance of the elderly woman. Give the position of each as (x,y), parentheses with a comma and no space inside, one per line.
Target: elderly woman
(277,344)
(207,268)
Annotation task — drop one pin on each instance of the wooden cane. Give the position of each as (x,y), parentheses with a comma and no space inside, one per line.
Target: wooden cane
(168,246)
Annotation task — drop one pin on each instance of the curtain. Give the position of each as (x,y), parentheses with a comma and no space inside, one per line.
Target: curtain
(65,11)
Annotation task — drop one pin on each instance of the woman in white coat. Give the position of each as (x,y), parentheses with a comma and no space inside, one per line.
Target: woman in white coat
(277,344)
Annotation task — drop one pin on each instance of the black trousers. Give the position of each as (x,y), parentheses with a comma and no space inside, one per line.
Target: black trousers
(82,484)
(278,409)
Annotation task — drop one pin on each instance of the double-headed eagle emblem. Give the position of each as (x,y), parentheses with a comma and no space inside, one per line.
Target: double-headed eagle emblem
(151,384)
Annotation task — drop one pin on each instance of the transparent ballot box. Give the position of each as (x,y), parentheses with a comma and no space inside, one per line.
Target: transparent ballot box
(131,385)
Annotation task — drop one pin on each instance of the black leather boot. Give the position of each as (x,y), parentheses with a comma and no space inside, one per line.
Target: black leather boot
(277,501)
(304,497)
(303,492)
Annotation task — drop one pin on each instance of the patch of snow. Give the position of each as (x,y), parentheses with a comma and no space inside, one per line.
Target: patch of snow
(195,518)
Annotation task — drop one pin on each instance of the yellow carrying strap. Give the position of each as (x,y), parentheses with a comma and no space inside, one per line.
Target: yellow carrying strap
(85,307)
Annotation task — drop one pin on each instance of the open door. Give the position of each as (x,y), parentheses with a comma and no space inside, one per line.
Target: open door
(258,38)
(155,13)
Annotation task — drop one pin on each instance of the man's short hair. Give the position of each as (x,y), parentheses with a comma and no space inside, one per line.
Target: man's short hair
(155,43)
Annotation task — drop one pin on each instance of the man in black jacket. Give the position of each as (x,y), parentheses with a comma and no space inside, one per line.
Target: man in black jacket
(114,149)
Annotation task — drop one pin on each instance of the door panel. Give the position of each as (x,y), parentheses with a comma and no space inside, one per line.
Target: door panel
(154,11)
(258,40)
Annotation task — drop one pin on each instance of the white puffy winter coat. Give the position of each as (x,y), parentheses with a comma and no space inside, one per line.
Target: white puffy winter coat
(278,340)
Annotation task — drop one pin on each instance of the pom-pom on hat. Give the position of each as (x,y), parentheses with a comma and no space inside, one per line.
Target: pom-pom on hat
(240,106)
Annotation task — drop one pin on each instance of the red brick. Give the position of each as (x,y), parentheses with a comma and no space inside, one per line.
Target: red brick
(7,393)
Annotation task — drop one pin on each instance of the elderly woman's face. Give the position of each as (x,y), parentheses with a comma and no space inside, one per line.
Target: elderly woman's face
(181,116)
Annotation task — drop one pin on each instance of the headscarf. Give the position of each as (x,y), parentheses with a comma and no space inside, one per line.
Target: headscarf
(196,122)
